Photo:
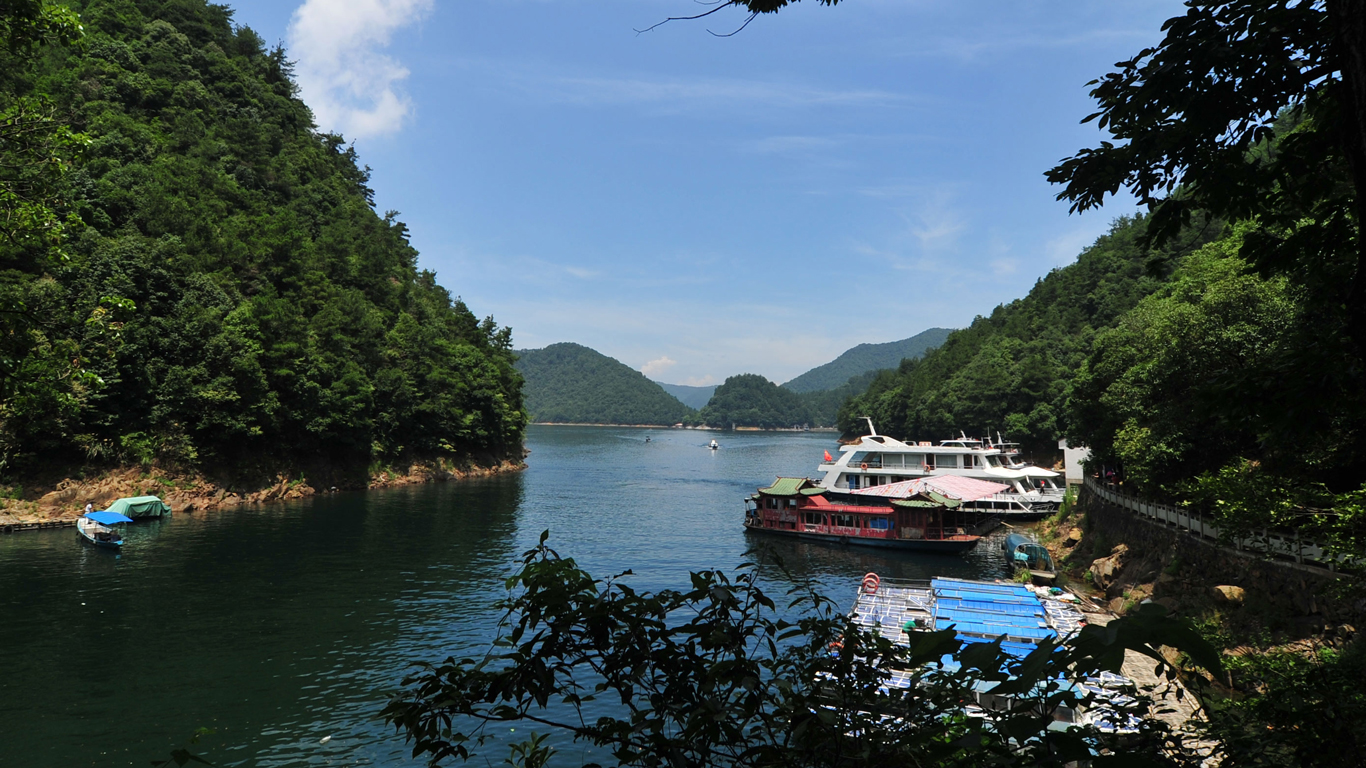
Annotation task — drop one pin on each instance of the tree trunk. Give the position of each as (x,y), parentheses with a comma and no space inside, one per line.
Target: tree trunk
(1348,20)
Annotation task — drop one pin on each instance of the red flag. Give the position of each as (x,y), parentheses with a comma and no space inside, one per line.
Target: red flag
(828,457)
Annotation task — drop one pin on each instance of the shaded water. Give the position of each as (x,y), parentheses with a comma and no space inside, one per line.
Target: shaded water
(283,624)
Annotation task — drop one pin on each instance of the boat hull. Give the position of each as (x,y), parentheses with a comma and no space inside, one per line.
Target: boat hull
(103,544)
(947,546)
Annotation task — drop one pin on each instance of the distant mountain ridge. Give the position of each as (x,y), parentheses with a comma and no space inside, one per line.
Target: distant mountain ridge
(867,357)
(693,397)
(570,383)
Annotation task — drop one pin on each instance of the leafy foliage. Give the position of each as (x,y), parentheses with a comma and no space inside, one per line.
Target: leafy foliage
(1009,372)
(1150,397)
(267,317)
(571,383)
(1300,710)
(750,400)
(864,358)
(712,676)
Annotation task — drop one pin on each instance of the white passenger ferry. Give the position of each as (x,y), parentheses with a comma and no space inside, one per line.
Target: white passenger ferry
(875,460)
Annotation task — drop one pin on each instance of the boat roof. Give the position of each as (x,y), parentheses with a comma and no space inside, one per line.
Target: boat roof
(792,486)
(927,499)
(105,517)
(952,486)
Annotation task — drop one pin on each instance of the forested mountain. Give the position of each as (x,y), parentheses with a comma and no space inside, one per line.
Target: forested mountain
(865,358)
(570,383)
(693,397)
(226,296)
(824,405)
(750,400)
(1009,372)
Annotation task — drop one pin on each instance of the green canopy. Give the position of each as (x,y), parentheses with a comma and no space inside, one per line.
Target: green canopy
(140,506)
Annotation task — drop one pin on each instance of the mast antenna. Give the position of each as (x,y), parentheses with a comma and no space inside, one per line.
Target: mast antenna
(872,431)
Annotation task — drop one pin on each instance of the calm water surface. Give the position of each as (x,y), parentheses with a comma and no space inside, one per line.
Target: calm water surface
(282,624)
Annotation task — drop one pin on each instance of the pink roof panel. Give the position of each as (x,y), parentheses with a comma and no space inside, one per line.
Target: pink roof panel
(962,488)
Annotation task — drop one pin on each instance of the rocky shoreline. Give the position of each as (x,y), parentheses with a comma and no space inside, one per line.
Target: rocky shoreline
(64,501)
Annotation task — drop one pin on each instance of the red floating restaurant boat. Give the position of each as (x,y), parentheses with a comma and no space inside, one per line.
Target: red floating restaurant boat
(922,519)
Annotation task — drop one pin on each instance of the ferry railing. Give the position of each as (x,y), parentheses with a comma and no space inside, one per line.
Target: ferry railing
(1279,545)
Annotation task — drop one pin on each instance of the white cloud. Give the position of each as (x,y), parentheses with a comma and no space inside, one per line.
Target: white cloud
(350,85)
(656,368)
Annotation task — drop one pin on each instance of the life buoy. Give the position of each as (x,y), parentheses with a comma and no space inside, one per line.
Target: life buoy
(863,466)
(871,582)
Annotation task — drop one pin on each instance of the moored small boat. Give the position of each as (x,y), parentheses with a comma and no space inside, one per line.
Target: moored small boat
(797,507)
(1023,552)
(102,528)
(138,507)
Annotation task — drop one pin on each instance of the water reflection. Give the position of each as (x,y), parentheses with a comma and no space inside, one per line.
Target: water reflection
(284,624)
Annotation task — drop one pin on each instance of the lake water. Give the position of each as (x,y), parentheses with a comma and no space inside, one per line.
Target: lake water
(282,624)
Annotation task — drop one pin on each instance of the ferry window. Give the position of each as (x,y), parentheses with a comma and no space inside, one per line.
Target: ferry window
(878,524)
(791,503)
(946,462)
(915,460)
(994,461)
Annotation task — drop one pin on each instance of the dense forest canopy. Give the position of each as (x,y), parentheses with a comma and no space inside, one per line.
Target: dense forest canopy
(226,290)
(570,383)
(1009,372)
(750,400)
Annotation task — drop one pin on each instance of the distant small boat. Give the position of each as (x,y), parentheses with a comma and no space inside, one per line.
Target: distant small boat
(713,445)
(101,528)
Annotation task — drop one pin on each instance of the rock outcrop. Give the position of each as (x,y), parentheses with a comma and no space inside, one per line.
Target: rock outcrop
(188,492)
(1104,571)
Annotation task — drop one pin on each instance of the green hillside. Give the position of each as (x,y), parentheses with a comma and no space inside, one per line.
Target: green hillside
(750,400)
(824,405)
(228,296)
(864,358)
(693,397)
(1009,372)
(570,383)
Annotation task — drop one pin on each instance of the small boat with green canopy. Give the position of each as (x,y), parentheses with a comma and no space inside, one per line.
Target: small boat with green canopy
(139,507)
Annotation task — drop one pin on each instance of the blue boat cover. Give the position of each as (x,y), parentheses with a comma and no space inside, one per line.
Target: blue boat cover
(104,517)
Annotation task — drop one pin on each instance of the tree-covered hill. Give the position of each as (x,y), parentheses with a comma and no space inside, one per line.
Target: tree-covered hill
(693,397)
(824,405)
(1009,372)
(570,383)
(750,400)
(229,299)
(865,358)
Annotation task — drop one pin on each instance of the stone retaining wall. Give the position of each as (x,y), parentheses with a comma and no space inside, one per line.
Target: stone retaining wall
(1311,593)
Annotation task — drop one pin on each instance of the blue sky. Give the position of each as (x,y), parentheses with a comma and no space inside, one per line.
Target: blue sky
(698,206)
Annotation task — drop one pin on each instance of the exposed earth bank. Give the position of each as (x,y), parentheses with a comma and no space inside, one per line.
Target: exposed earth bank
(65,499)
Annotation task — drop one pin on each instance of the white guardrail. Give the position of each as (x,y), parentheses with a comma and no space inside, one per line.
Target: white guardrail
(1275,544)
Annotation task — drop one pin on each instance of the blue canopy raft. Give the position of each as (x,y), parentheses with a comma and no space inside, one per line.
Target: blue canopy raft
(103,528)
